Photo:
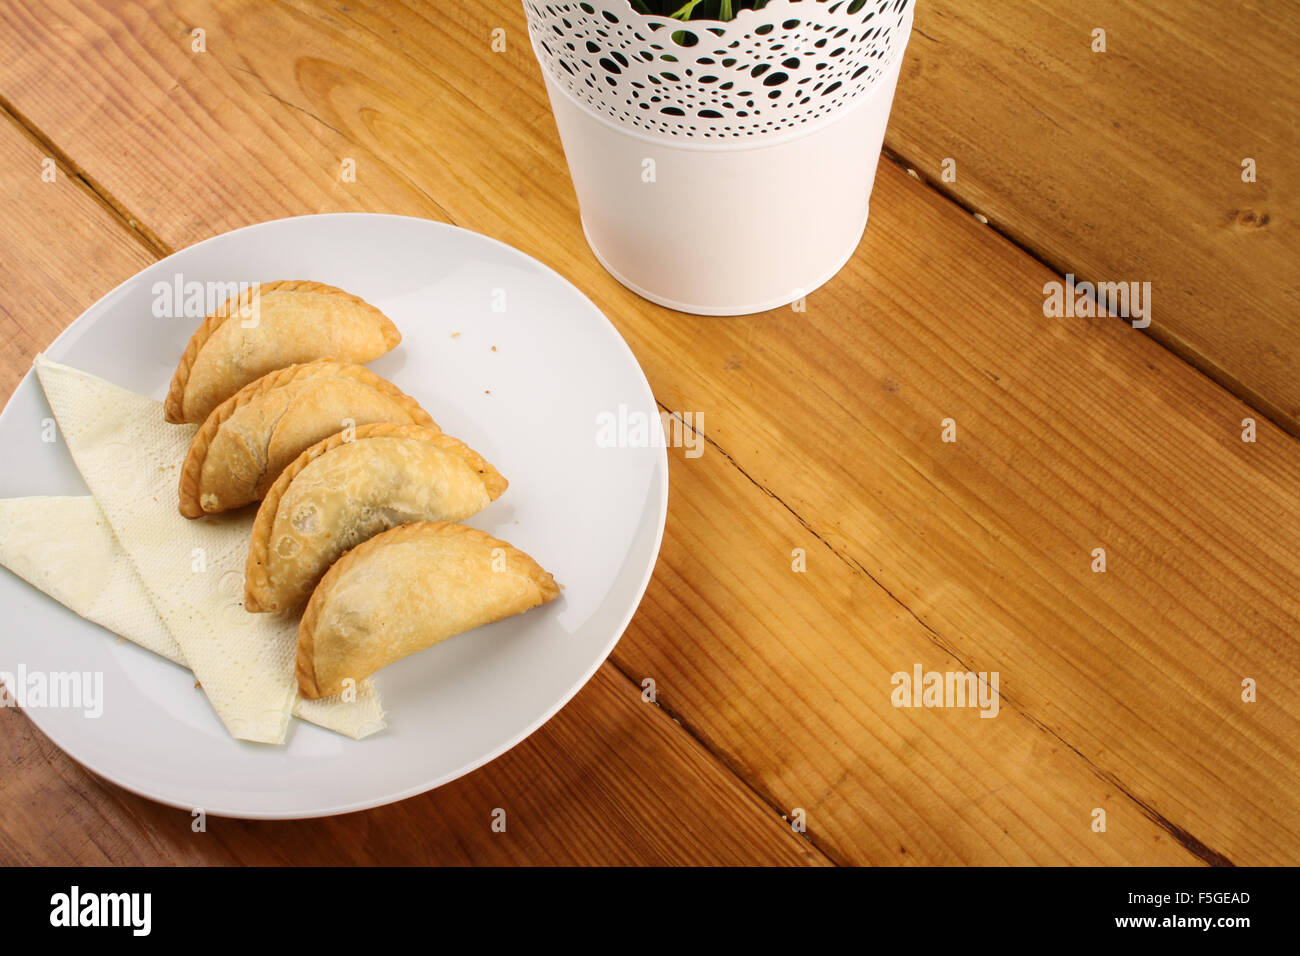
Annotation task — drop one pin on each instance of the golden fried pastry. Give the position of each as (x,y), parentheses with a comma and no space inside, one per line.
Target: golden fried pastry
(339,493)
(405,590)
(252,436)
(275,325)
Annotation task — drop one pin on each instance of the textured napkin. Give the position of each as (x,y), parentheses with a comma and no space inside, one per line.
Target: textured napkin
(65,547)
(192,570)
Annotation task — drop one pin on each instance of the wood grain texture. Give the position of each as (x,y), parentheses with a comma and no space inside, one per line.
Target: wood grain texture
(1071,435)
(787,673)
(1127,164)
(48,276)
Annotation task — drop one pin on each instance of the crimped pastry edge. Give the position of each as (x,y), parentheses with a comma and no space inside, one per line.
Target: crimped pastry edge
(306,673)
(256,575)
(192,469)
(174,404)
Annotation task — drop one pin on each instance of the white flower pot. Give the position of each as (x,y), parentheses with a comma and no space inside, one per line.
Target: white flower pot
(713,199)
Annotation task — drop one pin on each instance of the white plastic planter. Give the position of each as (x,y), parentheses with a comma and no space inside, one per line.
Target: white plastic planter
(722,168)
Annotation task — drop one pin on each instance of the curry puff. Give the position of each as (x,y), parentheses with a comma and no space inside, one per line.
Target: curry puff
(340,492)
(406,590)
(269,327)
(249,439)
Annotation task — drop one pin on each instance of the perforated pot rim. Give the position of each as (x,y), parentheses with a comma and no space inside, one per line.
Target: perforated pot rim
(737,85)
(687,144)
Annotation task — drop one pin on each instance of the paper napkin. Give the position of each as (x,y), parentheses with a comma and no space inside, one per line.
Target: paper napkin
(192,570)
(65,547)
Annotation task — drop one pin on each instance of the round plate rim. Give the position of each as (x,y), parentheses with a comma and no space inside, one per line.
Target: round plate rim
(661,468)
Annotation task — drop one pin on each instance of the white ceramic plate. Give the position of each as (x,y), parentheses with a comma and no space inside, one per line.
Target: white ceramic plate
(592,515)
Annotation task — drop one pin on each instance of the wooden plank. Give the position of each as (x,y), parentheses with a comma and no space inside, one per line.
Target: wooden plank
(788,673)
(1127,164)
(50,275)
(1071,436)
(576,792)
(835,411)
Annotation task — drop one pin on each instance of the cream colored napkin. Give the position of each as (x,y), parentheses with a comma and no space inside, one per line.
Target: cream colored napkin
(65,547)
(192,570)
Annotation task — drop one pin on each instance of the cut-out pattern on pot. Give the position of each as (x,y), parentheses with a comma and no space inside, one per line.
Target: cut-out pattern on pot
(767,71)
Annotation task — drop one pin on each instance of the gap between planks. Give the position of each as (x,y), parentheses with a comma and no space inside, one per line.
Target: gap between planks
(1186,840)
(1233,388)
(721,760)
(142,233)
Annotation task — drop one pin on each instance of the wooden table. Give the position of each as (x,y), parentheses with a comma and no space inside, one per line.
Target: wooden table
(1120,691)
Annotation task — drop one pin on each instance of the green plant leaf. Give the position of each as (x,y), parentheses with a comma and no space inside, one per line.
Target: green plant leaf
(696,9)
